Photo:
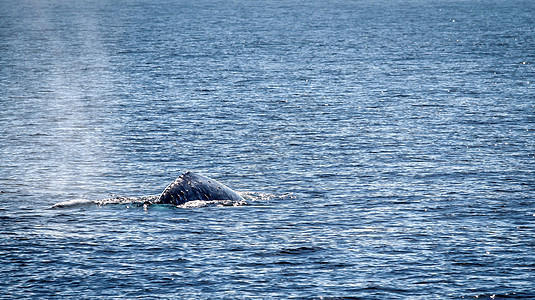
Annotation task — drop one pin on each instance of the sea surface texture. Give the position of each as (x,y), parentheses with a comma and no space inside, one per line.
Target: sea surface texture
(385,149)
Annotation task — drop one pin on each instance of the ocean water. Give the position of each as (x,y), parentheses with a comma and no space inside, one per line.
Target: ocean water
(386,148)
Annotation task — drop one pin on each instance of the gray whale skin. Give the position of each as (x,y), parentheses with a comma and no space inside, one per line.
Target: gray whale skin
(192,186)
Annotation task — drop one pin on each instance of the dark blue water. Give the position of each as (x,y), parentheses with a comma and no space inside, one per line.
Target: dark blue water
(388,148)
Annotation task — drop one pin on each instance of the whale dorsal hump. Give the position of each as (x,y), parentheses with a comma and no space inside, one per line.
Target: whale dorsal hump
(192,186)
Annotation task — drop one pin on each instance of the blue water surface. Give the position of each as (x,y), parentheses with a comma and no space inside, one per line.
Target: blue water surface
(387,148)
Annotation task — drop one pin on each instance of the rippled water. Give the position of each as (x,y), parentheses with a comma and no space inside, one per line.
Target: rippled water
(387,148)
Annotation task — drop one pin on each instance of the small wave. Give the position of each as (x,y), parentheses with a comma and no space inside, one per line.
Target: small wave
(512,295)
(74,203)
(256,196)
(114,200)
(126,200)
(141,201)
(300,250)
(203,203)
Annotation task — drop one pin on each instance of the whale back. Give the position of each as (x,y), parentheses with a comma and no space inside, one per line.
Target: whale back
(192,186)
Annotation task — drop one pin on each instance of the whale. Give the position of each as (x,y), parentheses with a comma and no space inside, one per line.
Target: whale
(191,186)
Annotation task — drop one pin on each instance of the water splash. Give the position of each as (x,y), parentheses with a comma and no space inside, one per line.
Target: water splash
(106,201)
(145,200)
